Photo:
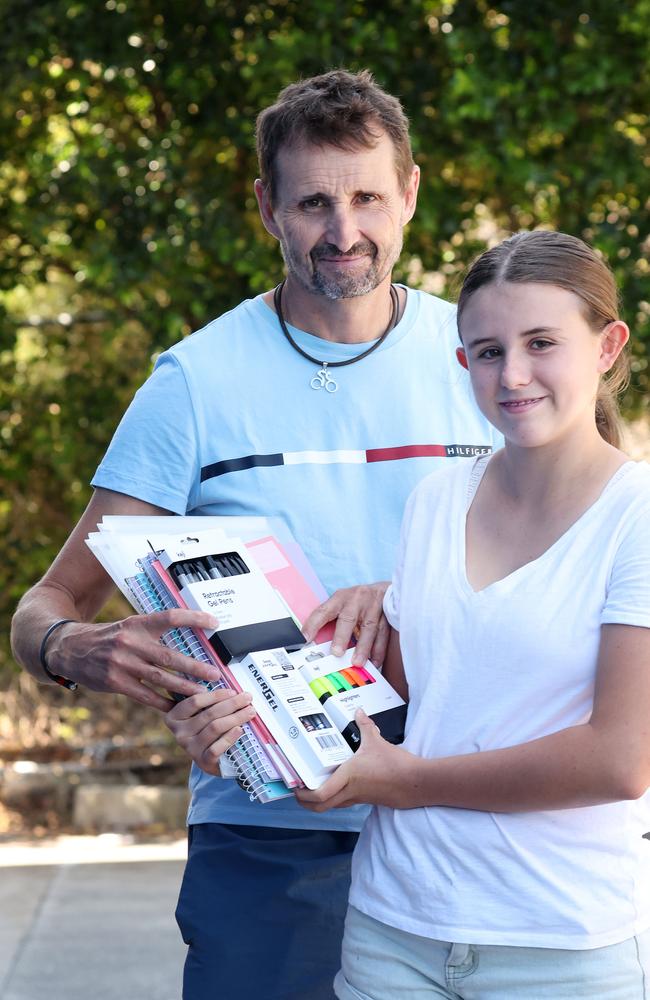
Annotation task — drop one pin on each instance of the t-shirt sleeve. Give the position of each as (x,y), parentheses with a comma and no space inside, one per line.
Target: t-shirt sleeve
(393,594)
(154,452)
(628,594)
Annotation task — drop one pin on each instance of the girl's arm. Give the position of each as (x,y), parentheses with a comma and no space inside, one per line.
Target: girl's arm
(393,669)
(606,759)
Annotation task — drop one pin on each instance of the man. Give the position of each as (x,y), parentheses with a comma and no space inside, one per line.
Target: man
(325,401)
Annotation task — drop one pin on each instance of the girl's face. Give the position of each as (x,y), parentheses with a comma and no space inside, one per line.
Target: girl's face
(534,361)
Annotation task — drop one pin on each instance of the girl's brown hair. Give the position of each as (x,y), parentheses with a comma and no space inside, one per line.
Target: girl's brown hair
(567,262)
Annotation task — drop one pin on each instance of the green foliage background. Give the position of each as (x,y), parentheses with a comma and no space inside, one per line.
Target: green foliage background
(126,210)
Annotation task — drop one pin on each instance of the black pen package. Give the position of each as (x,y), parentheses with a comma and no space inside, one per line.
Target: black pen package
(220,575)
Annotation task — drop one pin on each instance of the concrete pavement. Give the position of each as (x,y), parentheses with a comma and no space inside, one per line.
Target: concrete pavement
(90,918)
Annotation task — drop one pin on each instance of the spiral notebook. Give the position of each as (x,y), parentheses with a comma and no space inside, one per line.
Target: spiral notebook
(128,549)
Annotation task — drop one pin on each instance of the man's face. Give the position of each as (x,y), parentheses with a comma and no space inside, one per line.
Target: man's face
(339,216)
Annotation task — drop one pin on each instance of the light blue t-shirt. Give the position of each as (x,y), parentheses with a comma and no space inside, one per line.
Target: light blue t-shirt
(228,423)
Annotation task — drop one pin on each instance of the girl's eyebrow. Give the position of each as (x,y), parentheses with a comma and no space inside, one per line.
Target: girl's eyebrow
(524,333)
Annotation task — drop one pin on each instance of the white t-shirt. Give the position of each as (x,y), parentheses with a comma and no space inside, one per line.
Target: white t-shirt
(511,663)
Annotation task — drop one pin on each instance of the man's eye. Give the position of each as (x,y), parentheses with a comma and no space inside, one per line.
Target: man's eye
(312,203)
(489,353)
(367,199)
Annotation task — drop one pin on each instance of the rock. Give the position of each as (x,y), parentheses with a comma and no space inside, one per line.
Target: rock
(25,784)
(120,807)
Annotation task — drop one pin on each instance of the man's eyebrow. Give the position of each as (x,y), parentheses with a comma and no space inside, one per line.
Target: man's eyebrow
(309,196)
(533,331)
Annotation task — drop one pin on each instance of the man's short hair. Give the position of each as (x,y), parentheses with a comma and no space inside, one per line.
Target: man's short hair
(339,108)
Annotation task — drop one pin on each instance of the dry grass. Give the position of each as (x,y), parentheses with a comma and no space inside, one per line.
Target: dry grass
(35,716)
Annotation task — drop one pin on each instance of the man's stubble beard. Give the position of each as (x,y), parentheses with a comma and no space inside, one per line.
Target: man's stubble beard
(345,286)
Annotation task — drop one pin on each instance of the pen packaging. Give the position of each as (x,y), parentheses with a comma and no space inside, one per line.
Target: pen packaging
(222,578)
(293,714)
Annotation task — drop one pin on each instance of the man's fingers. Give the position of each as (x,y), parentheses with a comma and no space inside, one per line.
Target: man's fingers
(346,626)
(143,633)
(158,622)
(178,663)
(132,646)
(366,635)
(320,616)
(380,644)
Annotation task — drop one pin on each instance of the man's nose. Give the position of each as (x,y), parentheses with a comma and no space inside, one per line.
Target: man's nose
(343,231)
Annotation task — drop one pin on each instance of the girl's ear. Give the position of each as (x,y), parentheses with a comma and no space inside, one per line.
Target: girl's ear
(613,339)
(462,358)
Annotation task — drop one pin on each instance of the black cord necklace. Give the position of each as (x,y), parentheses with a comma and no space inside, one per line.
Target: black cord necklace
(322,379)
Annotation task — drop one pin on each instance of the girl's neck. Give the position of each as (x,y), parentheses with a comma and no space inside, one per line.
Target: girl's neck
(543,477)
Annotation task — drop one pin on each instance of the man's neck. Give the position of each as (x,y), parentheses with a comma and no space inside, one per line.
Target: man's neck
(356,320)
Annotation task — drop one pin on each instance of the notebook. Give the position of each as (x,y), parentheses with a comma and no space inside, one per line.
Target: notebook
(128,547)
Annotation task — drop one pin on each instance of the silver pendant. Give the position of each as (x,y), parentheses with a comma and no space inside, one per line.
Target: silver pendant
(323,380)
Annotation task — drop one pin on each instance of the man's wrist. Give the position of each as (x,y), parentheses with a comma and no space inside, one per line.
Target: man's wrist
(42,654)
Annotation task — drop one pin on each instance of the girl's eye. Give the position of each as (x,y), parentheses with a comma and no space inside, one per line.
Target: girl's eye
(489,353)
(540,344)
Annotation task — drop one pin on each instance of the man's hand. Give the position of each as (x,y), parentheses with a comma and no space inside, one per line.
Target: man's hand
(209,722)
(128,658)
(357,611)
(378,774)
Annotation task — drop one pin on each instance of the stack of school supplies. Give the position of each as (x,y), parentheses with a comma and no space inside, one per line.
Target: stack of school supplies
(251,575)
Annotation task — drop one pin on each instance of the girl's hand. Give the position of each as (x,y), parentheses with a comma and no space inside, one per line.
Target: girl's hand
(378,774)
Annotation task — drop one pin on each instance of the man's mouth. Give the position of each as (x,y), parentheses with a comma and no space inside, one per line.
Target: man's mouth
(329,254)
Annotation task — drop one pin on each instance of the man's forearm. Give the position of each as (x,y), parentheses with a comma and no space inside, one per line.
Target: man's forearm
(39,608)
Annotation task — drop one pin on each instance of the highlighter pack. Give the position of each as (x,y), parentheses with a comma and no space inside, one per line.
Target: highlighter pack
(308,699)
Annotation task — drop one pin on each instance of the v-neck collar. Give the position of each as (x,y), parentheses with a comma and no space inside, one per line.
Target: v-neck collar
(474,481)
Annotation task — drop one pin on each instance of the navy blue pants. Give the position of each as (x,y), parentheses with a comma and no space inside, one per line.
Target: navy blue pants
(261,911)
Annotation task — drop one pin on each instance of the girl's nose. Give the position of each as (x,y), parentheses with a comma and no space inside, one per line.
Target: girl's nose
(515,371)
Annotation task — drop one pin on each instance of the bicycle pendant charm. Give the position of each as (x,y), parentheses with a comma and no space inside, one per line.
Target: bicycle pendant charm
(323,380)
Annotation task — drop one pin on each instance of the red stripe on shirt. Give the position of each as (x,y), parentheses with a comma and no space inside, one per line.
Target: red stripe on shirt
(406,451)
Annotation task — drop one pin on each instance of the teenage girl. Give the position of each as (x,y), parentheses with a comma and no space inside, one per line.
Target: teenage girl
(505,858)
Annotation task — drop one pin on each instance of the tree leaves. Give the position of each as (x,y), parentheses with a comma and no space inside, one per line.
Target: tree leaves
(126,209)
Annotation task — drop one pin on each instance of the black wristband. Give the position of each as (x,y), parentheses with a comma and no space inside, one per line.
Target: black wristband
(57,678)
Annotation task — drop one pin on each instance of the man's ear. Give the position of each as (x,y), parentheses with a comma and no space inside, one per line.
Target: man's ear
(263,196)
(613,339)
(411,196)
(462,358)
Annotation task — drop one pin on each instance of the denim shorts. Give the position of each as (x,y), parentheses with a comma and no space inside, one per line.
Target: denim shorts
(382,963)
(262,912)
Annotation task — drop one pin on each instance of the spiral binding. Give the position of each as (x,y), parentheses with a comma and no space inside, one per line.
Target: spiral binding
(249,759)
